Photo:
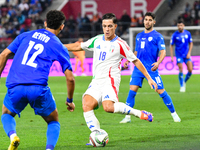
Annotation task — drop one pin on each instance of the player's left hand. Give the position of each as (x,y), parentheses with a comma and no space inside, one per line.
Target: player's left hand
(155,66)
(126,64)
(153,84)
(71,106)
(188,56)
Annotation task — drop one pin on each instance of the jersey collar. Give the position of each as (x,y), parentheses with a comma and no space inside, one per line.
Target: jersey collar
(112,39)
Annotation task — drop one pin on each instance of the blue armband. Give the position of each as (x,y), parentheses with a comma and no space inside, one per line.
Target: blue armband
(69,100)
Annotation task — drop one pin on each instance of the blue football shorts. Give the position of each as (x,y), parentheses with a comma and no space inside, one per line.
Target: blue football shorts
(137,78)
(181,60)
(39,97)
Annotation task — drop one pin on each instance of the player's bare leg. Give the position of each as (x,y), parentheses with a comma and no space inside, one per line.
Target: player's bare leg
(76,64)
(82,58)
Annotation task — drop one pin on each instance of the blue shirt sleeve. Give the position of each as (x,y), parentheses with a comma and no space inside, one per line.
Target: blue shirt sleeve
(13,47)
(161,43)
(189,37)
(64,59)
(136,43)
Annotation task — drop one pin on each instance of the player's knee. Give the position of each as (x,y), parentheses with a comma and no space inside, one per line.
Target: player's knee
(5,110)
(86,108)
(108,106)
(89,104)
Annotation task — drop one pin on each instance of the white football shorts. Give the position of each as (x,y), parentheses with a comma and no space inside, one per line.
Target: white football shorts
(101,91)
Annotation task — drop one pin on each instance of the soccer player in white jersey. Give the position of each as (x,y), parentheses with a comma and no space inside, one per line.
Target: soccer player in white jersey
(108,51)
(149,44)
(35,51)
(183,48)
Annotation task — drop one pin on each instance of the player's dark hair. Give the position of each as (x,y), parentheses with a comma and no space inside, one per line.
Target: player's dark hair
(180,21)
(54,19)
(110,16)
(150,14)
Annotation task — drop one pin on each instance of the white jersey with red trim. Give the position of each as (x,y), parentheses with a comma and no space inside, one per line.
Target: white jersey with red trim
(107,56)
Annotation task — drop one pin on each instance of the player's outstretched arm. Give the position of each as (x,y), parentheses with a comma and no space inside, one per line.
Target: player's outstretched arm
(70,89)
(141,67)
(3,58)
(74,46)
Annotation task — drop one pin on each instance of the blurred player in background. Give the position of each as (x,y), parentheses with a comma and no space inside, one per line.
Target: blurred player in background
(35,51)
(149,44)
(108,51)
(183,48)
(79,57)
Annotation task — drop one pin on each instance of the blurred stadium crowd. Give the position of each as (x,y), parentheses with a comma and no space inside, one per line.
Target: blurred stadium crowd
(191,14)
(18,16)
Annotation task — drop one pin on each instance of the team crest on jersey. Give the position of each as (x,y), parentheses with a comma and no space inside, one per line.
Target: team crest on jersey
(150,39)
(186,36)
(112,48)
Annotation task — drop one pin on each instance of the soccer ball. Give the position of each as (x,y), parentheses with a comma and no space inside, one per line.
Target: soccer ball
(99,138)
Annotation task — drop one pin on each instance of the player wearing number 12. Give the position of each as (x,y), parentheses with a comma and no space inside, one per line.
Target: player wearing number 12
(35,51)
(149,44)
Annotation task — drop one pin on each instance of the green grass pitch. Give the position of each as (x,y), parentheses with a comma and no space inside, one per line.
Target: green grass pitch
(161,134)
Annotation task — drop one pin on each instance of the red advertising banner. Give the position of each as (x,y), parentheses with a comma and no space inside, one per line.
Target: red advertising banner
(92,7)
(165,68)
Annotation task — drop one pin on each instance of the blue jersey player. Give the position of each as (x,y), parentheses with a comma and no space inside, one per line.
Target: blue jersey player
(183,48)
(149,44)
(35,51)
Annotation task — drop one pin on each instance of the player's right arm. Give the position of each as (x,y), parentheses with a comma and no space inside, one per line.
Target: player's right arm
(74,46)
(3,58)
(171,48)
(141,67)
(171,52)
(70,89)
(190,46)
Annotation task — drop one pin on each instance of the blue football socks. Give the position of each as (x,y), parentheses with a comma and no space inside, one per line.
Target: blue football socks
(168,101)
(130,101)
(188,75)
(53,131)
(180,77)
(9,124)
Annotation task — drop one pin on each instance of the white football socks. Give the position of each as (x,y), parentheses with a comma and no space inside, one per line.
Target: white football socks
(122,108)
(91,120)
(12,136)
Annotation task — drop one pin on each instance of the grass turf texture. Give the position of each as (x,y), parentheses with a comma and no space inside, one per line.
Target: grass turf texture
(161,134)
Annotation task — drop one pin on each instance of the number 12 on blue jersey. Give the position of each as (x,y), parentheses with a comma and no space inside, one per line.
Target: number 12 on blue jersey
(30,62)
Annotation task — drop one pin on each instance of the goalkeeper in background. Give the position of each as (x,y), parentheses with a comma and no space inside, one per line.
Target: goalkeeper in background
(183,48)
